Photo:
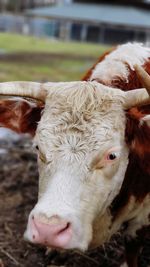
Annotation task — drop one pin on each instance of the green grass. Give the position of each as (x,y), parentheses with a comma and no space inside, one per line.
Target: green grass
(20,43)
(55,69)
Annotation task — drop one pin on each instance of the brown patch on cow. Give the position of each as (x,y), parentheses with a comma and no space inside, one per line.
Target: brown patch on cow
(133,80)
(20,116)
(138,137)
(136,183)
(137,179)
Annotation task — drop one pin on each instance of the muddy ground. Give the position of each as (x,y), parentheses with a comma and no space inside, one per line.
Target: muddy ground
(18,194)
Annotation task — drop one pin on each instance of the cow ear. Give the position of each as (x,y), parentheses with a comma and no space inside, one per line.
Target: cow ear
(20,115)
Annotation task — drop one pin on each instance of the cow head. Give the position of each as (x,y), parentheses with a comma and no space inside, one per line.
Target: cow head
(82,157)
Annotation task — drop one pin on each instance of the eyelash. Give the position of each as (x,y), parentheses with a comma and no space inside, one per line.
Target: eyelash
(41,157)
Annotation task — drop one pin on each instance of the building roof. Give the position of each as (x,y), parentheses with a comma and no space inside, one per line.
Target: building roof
(95,13)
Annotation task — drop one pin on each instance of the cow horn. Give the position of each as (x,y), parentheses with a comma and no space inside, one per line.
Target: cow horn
(24,89)
(139,97)
(144,77)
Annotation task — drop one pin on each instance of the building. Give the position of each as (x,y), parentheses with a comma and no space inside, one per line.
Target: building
(20,5)
(102,23)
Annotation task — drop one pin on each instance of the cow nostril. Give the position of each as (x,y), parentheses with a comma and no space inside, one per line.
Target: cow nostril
(68,225)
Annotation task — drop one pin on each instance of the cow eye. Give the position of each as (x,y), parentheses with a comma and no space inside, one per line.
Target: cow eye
(112,156)
(37,148)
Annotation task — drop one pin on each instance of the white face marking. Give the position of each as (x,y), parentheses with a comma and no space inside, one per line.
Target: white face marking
(82,158)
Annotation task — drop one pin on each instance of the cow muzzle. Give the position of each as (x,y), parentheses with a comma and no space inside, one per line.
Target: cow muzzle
(55,232)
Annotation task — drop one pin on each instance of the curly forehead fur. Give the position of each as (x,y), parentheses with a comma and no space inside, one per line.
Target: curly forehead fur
(82,98)
(81,111)
(81,94)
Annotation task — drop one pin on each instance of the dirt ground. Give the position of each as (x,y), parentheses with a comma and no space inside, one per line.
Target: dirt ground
(18,194)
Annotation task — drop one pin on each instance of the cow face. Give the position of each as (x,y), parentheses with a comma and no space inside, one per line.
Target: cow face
(82,160)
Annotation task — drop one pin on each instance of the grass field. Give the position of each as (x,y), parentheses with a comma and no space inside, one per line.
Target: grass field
(56,70)
(59,68)
(20,43)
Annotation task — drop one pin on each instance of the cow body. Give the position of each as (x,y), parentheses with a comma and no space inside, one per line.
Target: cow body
(93,151)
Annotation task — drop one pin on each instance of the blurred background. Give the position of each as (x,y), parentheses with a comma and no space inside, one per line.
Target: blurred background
(58,40)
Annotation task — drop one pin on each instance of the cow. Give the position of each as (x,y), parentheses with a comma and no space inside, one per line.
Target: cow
(92,139)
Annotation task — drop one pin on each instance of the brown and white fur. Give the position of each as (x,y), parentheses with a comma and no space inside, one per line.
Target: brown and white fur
(93,142)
